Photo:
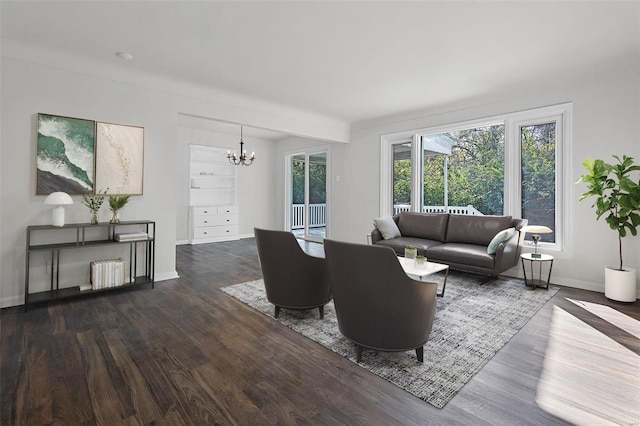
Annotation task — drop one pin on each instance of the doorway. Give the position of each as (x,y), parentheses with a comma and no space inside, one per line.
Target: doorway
(307,194)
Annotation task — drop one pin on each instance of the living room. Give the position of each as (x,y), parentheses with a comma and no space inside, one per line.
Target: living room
(42,75)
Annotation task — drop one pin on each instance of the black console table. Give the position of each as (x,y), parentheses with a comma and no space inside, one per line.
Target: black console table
(72,237)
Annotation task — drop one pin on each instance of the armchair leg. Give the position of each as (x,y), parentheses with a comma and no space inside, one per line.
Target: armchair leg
(321,309)
(358,353)
(420,354)
(277,312)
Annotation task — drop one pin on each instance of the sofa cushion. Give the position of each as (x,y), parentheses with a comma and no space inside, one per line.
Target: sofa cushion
(478,230)
(399,244)
(431,226)
(461,254)
(387,227)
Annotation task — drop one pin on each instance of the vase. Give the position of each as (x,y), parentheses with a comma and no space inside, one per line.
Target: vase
(115,218)
(421,262)
(94,217)
(410,253)
(620,285)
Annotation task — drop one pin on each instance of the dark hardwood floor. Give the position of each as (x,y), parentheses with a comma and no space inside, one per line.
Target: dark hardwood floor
(186,353)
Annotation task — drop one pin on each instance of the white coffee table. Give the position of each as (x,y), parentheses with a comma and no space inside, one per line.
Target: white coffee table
(421,274)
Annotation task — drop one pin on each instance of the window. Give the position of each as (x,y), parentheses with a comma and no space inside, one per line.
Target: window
(463,171)
(401,177)
(538,171)
(511,164)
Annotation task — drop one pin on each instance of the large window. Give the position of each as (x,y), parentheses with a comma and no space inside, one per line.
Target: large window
(463,170)
(511,165)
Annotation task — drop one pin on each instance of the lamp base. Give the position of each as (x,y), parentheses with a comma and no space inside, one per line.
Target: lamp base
(58,216)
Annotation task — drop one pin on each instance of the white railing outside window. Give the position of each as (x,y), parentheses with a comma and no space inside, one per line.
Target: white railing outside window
(317,215)
(468,210)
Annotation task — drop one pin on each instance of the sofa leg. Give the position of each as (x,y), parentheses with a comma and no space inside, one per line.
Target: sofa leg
(358,353)
(321,309)
(276,313)
(420,353)
(488,279)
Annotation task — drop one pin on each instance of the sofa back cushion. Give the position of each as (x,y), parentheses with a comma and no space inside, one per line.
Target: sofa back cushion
(478,230)
(431,226)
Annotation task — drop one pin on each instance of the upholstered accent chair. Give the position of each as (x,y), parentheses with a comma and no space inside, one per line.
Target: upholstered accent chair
(292,278)
(378,306)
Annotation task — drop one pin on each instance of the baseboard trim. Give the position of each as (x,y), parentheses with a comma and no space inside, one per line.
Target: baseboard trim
(166,276)
(243,236)
(569,282)
(182,242)
(8,302)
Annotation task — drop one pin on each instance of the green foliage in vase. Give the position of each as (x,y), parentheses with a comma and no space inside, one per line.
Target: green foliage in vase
(117,202)
(617,194)
(94,201)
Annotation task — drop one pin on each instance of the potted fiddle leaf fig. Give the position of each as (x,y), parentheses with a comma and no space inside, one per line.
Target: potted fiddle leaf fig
(617,191)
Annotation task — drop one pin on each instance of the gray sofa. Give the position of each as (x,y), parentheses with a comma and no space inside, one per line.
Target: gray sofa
(460,241)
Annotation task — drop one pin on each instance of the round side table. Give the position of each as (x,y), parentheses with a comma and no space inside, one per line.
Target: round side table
(531,280)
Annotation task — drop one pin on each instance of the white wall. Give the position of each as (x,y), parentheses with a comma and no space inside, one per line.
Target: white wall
(29,87)
(606,112)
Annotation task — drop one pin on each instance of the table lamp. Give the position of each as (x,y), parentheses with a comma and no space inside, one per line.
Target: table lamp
(58,198)
(536,230)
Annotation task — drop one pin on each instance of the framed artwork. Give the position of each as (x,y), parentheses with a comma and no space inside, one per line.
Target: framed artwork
(119,158)
(65,155)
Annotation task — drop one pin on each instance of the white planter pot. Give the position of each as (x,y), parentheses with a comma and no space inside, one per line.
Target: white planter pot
(620,285)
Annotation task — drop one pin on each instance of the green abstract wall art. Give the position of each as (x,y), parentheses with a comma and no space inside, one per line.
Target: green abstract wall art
(65,155)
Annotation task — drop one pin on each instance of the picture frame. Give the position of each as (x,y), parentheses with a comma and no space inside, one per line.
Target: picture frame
(65,154)
(119,159)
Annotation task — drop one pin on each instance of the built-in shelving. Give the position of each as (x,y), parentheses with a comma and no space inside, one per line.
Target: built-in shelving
(213,213)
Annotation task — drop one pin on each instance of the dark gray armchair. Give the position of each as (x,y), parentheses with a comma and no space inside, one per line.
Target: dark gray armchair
(292,278)
(378,306)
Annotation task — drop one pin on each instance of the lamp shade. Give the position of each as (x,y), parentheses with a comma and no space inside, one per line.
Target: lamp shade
(537,229)
(58,198)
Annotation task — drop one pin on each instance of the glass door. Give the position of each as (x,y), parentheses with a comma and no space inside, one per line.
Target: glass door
(307,201)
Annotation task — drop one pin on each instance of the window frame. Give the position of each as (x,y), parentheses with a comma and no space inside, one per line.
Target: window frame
(561,114)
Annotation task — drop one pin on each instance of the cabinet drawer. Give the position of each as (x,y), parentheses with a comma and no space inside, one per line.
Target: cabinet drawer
(215,231)
(200,221)
(200,211)
(228,210)
(213,210)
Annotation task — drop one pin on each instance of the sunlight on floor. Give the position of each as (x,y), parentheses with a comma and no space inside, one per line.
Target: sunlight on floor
(607,313)
(587,377)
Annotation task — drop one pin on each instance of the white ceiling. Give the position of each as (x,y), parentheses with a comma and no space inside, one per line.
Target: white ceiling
(346,60)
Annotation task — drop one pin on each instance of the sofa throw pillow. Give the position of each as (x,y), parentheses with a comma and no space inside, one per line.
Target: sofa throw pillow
(387,227)
(500,237)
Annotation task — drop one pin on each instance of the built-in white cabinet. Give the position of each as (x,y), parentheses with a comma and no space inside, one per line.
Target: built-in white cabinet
(213,213)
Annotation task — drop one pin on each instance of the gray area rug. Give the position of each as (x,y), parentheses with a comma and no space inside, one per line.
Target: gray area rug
(473,321)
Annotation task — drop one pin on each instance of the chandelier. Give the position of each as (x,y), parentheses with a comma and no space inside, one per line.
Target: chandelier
(242,159)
